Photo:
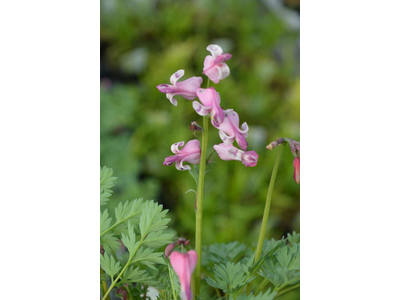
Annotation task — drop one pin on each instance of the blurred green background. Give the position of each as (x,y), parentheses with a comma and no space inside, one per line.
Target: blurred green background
(143,42)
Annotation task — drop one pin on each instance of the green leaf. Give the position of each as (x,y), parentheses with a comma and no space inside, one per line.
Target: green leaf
(109,265)
(268,295)
(129,240)
(283,268)
(152,218)
(106,183)
(157,239)
(132,275)
(109,242)
(294,238)
(229,278)
(194,172)
(146,257)
(223,253)
(105,221)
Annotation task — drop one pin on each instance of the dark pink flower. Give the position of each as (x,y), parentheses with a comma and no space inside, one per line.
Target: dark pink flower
(230,131)
(187,88)
(215,67)
(229,152)
(210,105)
(184,265)
(190,153)
(296,165)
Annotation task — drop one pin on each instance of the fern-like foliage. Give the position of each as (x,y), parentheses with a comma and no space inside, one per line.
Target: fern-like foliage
(268,295)
(106,183)
(140,226)
(230,277)
(283,268)
(224,253)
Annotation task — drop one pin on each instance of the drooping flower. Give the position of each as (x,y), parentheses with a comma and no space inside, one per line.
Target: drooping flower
(230,131)
(184,265)
(229,152)
(215,67)
(190,153)
(211,101)
(187,88)
(296,166)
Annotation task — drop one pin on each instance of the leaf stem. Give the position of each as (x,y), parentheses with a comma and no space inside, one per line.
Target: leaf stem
(200,196)
(288,289)
(120,222)
(172,281)
(268,203)
(104,284)
(113,282)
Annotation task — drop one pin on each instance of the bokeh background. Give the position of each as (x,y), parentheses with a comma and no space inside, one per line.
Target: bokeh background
(143,42)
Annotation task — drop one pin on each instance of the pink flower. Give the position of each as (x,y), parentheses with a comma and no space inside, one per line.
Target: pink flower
(184,264)
(187,88)
(230,131)
(191,153)
(211,105)
(229,152)
(214,65)
(296,165)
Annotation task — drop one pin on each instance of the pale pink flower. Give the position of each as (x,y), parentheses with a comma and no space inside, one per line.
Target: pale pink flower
(215,67)
(229,152)
(190,153)
(187,88)
(296,166)
(210,105)
(184,265)
(230,131)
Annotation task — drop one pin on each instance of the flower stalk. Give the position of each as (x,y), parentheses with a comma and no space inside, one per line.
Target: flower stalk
(268,203)
(200,196)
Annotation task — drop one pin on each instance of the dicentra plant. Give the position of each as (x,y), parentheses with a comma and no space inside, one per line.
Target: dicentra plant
(137,249)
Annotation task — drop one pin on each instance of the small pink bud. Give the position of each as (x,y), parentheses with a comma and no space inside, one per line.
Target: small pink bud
(296,165)
(187,242)
(169,249)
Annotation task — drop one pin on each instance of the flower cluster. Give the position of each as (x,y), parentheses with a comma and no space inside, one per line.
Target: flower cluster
(226,121)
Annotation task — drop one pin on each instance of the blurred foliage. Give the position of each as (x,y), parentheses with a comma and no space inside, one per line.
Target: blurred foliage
(143,42)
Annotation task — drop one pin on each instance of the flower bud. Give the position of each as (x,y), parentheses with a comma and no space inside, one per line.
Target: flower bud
(187,242)
(195,127)
(169,249)
(296,165)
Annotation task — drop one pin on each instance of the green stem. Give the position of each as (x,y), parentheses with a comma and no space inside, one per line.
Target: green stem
(172,281)
(268,203)
(114,281)
(288,289)
(119,222)
(199,210)
(261,286)
(104,283)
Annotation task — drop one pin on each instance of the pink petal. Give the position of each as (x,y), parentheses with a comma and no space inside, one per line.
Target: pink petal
(200,109)
(175,147)
(250,158)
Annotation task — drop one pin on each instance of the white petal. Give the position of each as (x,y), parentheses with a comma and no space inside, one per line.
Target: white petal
(175,147)
(178,74)
(226,138)
(215,50)
(200,109)
(171,99)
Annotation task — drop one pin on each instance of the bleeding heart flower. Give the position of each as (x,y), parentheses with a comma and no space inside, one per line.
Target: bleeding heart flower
(230,131)
(296,165)
(210,105)
(184,265)
(187,88)
(229,152)
(190,153)
(215,67)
